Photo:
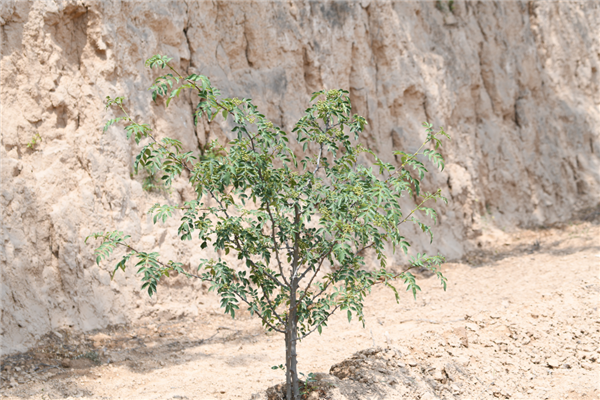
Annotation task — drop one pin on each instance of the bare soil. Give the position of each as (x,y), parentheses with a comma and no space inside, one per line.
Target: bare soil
(519,320)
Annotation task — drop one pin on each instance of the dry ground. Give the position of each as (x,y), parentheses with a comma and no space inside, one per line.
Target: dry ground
(520,318)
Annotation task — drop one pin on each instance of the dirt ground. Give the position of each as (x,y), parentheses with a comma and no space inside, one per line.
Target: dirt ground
(520,319)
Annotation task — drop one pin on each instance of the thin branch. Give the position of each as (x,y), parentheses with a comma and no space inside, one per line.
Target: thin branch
(273,224)
(270,305)
(312,278)
(195,86)
(239,249)
(312,300)
(296,242)
(409,158)
(429,197)
(316,327)
(275,246)
(338,306)
(364,248)
(327,128)
(319,159)
(400,223)
(261,317)
(166,266)
(322,259)
(188,274)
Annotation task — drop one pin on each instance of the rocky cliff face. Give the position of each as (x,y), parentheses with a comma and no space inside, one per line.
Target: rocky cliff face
(515,84)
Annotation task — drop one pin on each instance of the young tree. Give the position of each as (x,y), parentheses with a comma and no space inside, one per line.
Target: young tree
(299,224)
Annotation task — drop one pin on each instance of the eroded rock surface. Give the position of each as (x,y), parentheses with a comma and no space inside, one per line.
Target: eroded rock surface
(516,84)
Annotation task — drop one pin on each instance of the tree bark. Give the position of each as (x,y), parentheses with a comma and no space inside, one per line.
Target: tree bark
(291,336)
(291,329)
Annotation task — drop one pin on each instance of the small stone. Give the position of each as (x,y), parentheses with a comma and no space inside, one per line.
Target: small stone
(463,360)
(471,326)
(439,376)
(502,394)
(455,389)
(412,363)
(454,341)
(553,363)
(586,366)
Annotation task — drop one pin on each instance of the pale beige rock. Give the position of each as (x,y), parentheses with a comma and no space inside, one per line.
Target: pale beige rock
(516,84)
(553,363)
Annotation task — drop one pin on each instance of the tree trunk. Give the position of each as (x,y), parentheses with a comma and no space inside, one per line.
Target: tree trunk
(291,335)
(292,387)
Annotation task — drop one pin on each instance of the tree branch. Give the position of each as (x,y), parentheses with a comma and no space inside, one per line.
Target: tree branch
(296,242)
(324,319)
(188,274)
(275,246)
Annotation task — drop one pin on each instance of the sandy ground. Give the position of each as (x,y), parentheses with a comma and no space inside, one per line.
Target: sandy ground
(521,317)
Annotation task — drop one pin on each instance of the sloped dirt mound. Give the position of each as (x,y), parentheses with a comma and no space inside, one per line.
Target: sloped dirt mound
(378,373)
(386,373)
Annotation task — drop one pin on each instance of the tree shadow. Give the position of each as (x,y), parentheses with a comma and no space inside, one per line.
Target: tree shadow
(555,246)
(58,358)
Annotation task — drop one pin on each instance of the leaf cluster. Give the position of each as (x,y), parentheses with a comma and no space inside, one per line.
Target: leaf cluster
(299,224)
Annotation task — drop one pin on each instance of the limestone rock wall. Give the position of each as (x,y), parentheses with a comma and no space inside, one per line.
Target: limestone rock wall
(515,83)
